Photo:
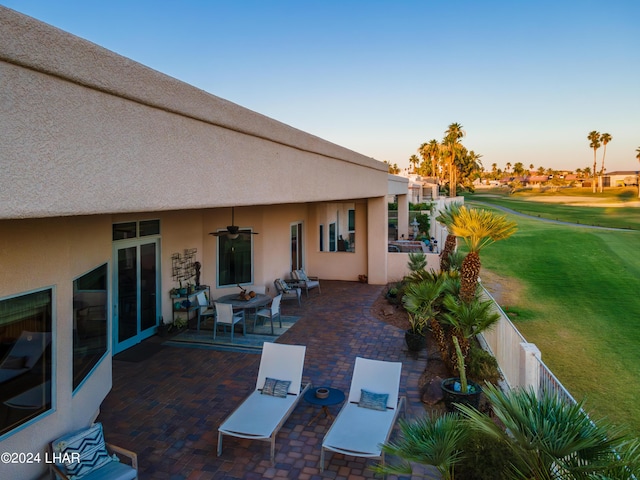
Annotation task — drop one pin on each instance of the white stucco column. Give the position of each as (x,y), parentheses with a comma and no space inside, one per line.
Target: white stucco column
(529,366)
(403,216)
(377,225)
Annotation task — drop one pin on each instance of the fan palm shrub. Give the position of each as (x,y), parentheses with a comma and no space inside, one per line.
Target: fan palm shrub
(430,440)
(467,319)
(550,439)
(535,437)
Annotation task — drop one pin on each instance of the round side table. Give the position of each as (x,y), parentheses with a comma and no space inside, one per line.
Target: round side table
(335,397)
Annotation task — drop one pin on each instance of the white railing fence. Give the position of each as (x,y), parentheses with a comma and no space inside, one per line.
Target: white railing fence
(520,361)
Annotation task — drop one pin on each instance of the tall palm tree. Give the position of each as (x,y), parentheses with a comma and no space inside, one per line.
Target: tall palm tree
(414,161)
(478,228)
(604,138)
(434,150)
(446,218)
(452,146)
(508,166)
(638,179)
(594,138)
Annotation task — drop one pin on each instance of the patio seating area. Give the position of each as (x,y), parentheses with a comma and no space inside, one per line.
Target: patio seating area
(168,407)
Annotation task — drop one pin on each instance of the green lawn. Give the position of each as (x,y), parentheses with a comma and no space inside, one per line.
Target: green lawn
(606,216)
(581,307)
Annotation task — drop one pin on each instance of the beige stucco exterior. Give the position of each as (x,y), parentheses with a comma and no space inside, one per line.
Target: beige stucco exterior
(89,138)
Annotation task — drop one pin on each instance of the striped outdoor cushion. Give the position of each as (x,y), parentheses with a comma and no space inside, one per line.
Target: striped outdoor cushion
(89,444)
(374,401)
(275,387)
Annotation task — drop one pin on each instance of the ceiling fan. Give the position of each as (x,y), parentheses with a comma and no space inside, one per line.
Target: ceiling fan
(232,232)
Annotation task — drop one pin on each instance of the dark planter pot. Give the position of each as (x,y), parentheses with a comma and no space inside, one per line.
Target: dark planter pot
(415,341)
(452,396)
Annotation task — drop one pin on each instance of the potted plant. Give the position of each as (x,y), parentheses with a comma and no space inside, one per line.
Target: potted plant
(420,300)
(414,337)
(459,389)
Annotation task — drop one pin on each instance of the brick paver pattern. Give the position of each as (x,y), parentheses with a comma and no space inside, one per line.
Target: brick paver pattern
(167,408)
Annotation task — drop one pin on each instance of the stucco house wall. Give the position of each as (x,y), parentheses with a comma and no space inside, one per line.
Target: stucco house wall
(89,138)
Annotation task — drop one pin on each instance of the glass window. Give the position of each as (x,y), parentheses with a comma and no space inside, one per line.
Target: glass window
(149,227)
(321,238)
(352,220)
(89,322)
(25,358)
(235,260)
(122,231)
(332,237)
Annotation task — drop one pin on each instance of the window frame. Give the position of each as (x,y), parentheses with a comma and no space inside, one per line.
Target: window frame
(107,348)
(34,417)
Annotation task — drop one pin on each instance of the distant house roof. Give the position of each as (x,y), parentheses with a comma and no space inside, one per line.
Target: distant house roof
(623,172)
(538,178)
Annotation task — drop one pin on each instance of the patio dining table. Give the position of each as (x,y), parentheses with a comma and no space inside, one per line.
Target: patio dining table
(260,300)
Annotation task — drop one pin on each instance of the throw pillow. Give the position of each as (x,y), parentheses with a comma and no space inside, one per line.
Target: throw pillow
(88,447)
(302,276)
(14,363)
(374,401)
(275,387)
(283,285)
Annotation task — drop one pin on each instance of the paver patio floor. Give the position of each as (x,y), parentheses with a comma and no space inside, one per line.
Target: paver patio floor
(167,408)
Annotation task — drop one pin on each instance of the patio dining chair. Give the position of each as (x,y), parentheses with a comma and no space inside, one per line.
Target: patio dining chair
(204,308)
(226,316)
(277,391)
(271,312)
(366,420)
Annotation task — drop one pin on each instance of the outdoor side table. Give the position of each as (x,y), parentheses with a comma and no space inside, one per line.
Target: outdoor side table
(334,398)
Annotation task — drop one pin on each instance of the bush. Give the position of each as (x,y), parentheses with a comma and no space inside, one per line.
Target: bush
(482,366)
(485,458)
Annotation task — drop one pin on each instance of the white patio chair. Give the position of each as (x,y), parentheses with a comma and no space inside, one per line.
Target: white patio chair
(204,309)
(262,413)
(366,420)
(271,312)
(226,316)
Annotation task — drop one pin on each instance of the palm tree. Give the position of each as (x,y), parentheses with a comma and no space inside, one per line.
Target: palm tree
(551,439)
(594,138)
(508,166)
(604,138)
(478,228)
(414,161)
(431,440)
(452,146)
(450,244)
(638,180)
(468,319)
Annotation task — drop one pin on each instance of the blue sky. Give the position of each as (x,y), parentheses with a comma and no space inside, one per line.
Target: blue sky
(528,80)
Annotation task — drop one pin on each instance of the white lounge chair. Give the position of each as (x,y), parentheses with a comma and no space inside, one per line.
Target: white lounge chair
(360,428)
(261,415)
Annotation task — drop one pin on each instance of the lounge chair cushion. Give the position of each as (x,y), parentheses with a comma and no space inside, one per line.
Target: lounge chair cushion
(275,387)
(374,401)
(363,432)
(302,275)
(87,446)
(258,416)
